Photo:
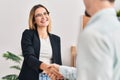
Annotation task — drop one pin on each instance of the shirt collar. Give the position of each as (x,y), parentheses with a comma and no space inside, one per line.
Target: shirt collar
(107,11)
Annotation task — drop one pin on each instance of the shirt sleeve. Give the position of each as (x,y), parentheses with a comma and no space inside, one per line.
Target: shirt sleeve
(68,72)
(94,59)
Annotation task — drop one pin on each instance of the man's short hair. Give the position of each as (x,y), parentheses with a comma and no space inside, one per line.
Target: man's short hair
(112,0)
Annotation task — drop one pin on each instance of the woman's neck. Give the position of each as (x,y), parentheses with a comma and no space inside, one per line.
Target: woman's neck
(42,32)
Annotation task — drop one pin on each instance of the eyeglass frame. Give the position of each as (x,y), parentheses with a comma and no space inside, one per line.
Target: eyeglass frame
(41,14)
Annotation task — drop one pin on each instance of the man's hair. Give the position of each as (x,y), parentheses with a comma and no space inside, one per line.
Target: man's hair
(112,0)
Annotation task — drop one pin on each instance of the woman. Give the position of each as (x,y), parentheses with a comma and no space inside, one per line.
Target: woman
(39,46)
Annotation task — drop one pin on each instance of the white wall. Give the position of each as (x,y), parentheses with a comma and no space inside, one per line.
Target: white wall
(65,16)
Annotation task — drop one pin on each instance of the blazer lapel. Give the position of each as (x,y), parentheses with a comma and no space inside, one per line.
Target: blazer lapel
(53,46)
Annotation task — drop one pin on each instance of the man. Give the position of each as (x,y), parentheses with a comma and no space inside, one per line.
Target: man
(98,51)
(98,56)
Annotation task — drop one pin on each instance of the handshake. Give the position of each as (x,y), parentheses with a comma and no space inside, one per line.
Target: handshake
(52,70)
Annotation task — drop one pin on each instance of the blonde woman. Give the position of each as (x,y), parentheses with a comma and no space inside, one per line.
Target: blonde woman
(39,47)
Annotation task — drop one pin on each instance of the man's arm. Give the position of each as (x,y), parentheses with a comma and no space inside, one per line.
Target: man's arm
(66,71)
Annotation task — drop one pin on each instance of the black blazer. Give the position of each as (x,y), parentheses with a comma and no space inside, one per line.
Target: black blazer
(31,48)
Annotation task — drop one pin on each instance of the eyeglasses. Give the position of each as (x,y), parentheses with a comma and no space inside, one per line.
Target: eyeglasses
(42,14)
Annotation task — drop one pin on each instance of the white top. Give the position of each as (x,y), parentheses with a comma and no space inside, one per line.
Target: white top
(45,50)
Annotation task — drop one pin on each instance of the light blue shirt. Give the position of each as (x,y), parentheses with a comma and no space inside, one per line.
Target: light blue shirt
(98,50)
(68,72)
(98,53)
